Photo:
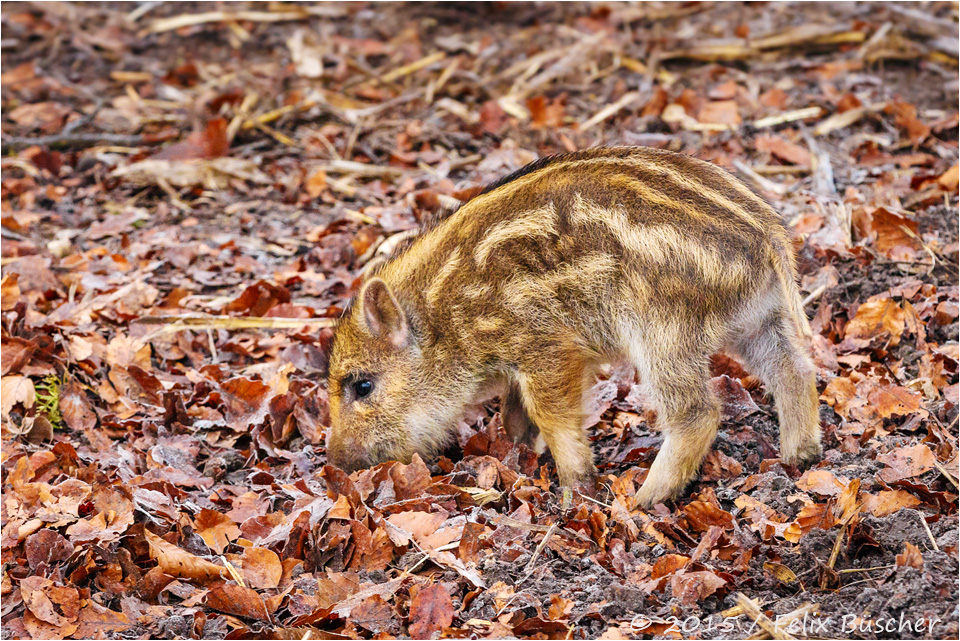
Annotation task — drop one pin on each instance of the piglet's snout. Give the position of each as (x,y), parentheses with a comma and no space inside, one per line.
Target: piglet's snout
(346,453)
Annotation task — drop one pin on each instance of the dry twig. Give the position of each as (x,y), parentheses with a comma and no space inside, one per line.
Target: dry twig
(752,610)
(182,323)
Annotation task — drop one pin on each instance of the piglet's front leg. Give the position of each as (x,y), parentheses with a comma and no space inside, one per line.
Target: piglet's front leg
(553,398)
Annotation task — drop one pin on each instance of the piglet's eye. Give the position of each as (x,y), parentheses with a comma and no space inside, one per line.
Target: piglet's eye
(363,387)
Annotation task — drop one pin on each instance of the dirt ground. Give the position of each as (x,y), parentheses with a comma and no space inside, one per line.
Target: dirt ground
(191,190)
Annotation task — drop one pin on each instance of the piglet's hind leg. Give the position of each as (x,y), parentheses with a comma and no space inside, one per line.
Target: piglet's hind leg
(776,352)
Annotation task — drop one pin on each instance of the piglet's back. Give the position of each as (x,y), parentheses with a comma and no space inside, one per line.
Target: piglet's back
(568,239)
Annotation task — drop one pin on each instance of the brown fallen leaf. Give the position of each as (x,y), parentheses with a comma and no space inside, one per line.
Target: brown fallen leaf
(16,390)
(258,299)
(905,117)
(77,412)
(177,562)
(261,568)
(216,529)
(375,615)
(124,351)
(35,275)
(44,116)
(430,612)
(114,514)
(718,466)
(544,113)
(811,515)
(720,112)
(821,482)
(668,564)
(906,462)
(247,402)
(692,587)
(15,353)
(893,400)
(781,572)
(237,600)
(910,557)
(701,515)
(118,224)
(410,480)
(210,142)
(736,400)
(40,629)
(46,546)
(896,235)
(887,502)
(54,604)
(950,179)
(293,634)
(783,149)
(96,621)
(418,524)
(444,536)
(881,318)
(559,607)
(317,183)
(9,291)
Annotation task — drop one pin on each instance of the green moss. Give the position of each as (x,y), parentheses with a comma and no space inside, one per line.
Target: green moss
(48,399)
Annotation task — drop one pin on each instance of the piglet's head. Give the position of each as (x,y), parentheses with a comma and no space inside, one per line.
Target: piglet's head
(375,370)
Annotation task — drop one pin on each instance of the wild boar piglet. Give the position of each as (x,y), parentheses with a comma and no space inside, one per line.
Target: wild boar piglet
(569,263)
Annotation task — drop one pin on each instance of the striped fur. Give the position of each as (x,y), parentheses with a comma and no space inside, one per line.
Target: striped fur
(572,262)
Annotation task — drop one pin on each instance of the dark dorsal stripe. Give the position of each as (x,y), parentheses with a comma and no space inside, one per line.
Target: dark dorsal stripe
(529,168)
(433,220)
(582,154)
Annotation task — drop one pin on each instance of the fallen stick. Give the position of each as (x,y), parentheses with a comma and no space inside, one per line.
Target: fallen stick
(753,611)
(358,168)
(878,567)
(536,553)
(912,234)
(764,184)
(624,102)
(63,140)
(354,116)
(835,552)
(190,20)
(926,527)
(947,474)
(814,295)
(573,57)
(787,619)
(823,182)
(413,67)
(773,170)
(279,136)
(535,527)
(840,121)
(787,116)
(181,323)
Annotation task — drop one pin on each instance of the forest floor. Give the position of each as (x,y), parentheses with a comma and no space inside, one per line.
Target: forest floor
(190,191)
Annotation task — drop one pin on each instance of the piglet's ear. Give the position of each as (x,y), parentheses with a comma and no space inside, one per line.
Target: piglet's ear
(381,313)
